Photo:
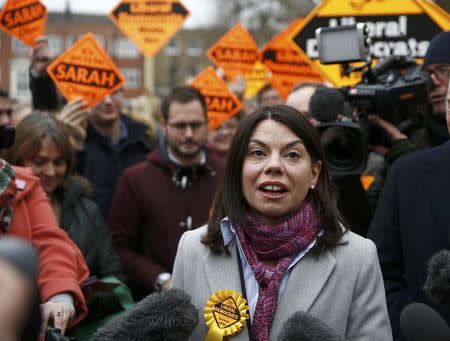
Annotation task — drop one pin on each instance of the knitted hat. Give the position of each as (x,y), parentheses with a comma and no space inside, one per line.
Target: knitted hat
(439,49)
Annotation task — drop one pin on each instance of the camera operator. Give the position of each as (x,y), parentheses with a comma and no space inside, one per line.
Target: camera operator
(347,160)
(432,131)
(411,221)
(301,95)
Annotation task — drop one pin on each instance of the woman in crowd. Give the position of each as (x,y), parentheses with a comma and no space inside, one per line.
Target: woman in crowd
(219,139)
(42,145)
(275,237)
(26,213)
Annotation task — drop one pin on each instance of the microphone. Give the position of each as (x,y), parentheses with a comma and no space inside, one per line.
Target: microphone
(302,326)
(420,322)
(437,284)
(161,316)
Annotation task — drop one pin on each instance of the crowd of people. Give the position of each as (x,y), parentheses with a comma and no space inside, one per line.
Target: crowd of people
(115,209)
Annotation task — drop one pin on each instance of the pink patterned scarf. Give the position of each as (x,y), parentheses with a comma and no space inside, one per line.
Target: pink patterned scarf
(280,243)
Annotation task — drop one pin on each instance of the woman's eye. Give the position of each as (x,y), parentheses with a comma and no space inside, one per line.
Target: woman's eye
(257,153)
(39,162)
(293,155)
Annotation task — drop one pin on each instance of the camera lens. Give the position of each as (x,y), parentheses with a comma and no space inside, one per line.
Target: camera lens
(343,149)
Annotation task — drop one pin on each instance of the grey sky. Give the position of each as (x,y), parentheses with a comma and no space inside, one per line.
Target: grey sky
(203,12)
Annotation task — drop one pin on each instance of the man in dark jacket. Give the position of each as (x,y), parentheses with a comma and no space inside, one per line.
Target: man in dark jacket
(170,192)
(113,142)
(411,221)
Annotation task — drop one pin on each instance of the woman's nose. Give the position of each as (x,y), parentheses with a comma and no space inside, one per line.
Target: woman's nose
(49,170)
(274,165)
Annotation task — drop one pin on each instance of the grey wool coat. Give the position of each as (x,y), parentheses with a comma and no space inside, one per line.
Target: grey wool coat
(343,287)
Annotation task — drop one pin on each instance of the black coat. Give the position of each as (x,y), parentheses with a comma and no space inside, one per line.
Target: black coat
(411,224)
(83,221)
(102,163)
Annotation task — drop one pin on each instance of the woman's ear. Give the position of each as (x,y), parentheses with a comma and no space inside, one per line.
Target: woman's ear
(315,171)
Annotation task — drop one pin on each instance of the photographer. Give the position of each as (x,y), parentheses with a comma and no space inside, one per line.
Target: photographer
(411,221)
(432,130)
(344,156)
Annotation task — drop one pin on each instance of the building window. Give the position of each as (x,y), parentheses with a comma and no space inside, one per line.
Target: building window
(172,48)
(100,40)
(19,48)
(123,48)
(19,81)
(55,44)
(70,40)
(194,48)
(133,78)
(172,73)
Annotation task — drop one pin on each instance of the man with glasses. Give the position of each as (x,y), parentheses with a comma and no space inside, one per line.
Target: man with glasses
(172,191)
(411,222)
(6,109)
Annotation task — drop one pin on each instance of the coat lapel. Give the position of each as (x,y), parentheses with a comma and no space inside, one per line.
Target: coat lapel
(305,284)
(222,271)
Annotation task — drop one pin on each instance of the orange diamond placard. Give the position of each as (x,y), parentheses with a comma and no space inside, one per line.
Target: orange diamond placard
(221,102)
(24,19)
(236,52)
(85,70)
(149,24)
(288,67)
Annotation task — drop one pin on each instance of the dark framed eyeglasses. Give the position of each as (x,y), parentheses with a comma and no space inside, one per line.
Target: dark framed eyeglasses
(441,72)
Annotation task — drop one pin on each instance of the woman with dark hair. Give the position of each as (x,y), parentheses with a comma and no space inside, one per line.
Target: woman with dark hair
(276,238)
(42,144)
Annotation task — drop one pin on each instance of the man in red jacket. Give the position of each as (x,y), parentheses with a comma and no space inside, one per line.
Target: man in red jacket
(165,195)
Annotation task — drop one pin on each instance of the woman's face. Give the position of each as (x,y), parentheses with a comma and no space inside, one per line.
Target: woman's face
(277,172)
(48,165)
(220,138)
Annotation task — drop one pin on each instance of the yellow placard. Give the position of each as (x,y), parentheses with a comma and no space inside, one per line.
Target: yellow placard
(397,27)
(24,19)
(236,52)
(288,67)
(256,79)
(149,24)
(222,104)
(85,70)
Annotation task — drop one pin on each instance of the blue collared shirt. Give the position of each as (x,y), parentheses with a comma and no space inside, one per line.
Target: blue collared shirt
(123,135)
(251,285)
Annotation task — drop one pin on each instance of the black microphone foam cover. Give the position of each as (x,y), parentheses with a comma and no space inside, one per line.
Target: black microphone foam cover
(420,322)
(437,284)
(161,316)
(302,326)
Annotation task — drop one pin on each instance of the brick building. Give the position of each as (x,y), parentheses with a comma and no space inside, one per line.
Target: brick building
(177,63)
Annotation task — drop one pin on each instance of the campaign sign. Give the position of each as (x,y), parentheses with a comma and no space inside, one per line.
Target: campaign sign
(24,19)
(287,65)
(256,79)
(222,104)
(85,70)
(397,27)
(236,52)
(149,24)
